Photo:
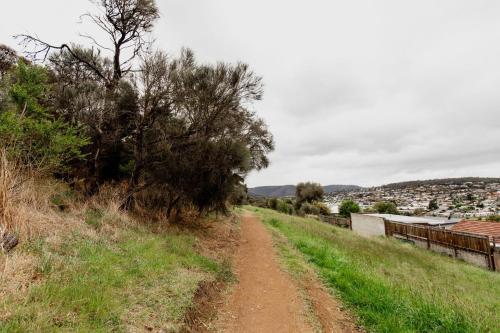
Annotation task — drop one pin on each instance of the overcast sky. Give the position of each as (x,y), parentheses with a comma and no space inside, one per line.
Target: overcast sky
(356,92)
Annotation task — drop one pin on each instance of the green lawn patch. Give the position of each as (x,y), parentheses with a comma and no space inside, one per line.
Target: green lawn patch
(391,286)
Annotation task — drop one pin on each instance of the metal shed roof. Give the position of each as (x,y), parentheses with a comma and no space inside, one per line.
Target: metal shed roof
(412,219)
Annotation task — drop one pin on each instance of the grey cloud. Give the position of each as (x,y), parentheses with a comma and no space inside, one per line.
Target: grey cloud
(363,92)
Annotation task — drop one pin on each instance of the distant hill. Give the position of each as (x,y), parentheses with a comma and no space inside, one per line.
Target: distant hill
(442,181)
(341,188)
(289,190)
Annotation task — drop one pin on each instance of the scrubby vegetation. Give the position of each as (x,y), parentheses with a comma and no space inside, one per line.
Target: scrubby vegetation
(308,192)
(107,153)
(307,201)
(385,207)
(175,134)
(94,268)
(289,206)
(392,286)
(347,207)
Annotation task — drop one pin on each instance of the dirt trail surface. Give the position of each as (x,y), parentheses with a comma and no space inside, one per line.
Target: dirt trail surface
(265,298)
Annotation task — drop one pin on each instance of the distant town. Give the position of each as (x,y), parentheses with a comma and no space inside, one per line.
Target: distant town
(450,199)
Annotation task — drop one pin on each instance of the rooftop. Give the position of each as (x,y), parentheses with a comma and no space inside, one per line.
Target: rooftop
(413,219)
(491,229)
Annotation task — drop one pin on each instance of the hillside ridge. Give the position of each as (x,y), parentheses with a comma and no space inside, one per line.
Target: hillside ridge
(289,190)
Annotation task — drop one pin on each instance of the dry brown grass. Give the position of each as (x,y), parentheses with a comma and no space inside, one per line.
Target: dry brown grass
(25,203)
(27,211)
(31,207)
(7,189)
(45,213)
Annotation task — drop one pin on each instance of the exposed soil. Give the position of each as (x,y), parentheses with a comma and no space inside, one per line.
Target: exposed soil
(217,240)
(267,299)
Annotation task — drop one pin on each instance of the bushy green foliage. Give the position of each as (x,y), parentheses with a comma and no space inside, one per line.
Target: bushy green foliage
(285,207)
(386,207)
(347,207)
(273,203)
(288,206)
(433,204)
(308,209)
(28,131)
(308,192)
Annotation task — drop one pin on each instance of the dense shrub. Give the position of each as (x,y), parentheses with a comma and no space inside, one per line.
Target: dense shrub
(386,207)
(273,203)
(347,207)
(308,209)
(285,207)
(29,132)
(308,192)
(323,208)
(433,204)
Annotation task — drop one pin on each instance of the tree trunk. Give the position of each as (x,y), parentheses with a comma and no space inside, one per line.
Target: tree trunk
(136,173)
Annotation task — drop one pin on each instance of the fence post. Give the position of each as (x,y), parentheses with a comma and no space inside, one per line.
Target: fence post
(428,237)
(453,238)
(490,252)
(492,255)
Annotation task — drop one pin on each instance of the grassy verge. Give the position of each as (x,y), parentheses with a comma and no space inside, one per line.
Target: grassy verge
(110,280)
(391,286)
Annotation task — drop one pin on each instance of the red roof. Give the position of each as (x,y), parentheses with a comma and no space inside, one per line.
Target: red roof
(491,229)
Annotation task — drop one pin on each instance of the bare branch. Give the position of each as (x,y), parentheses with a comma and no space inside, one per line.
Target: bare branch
(96,42)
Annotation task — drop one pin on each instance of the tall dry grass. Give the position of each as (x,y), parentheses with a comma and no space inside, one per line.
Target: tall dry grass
(9,184)
(36,207)
(26,207)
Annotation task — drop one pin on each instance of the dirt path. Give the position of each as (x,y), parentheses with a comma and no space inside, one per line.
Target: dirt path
(265,298)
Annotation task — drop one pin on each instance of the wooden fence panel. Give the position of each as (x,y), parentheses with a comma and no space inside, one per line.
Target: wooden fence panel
(447,238)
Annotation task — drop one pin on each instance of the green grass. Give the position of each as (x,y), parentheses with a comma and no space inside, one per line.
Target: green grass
(391,286)
(133,282)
